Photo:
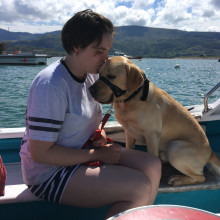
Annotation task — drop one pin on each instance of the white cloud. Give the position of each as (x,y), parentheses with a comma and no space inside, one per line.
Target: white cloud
(191,15)
(172,13)
(213,29)
(39,16)
(142,4)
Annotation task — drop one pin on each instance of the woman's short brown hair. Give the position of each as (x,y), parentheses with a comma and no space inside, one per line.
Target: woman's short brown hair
(84,28)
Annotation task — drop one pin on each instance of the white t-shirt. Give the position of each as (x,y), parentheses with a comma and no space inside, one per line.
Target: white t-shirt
(60,109)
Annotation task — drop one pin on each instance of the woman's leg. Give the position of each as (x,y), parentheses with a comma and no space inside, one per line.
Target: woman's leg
(125,186)
(146,163)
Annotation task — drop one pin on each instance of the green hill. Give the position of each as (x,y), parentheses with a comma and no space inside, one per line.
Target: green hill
(131,40)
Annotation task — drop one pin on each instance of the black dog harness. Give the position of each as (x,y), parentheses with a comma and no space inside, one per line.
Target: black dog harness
(119,92)
(115,89)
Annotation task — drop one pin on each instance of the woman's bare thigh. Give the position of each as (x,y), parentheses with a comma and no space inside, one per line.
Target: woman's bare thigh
(98,186)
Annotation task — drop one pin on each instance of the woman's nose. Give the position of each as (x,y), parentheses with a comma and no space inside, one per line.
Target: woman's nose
(105,56)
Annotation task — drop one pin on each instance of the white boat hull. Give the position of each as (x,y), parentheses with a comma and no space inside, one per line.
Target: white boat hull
(32,59)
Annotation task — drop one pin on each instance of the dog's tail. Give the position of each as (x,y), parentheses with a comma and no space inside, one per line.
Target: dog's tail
(215,164)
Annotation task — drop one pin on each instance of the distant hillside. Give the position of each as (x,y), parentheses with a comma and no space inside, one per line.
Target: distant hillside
(16,36)
(131,40)
(158,42)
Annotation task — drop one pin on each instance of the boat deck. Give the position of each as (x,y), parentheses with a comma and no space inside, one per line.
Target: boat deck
(16,190)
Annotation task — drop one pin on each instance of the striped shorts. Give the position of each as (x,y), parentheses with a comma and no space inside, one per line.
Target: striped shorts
(52,190)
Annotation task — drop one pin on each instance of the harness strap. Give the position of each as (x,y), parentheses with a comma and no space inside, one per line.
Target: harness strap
(115,89)
(145,90)
(133,94)
(119,92)
(145,87)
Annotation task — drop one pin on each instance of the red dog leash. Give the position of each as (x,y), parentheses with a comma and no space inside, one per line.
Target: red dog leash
(97,137)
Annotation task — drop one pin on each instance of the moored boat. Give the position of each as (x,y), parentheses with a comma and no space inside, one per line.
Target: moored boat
(177,66)
(122,54)
(137,58)
(19,58)
(204,196)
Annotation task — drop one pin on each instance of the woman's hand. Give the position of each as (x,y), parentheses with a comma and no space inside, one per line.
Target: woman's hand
(109,154)
(101,142)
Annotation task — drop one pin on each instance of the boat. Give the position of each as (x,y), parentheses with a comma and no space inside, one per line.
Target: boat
(122,54)
(23,58)
(137,58)
(19,203)
(177,66)
(127,56)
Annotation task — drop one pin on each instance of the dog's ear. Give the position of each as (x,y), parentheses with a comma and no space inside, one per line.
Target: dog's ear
(134,76)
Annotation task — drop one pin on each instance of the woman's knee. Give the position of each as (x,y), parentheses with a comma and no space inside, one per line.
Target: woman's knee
(153,168)
(140,189)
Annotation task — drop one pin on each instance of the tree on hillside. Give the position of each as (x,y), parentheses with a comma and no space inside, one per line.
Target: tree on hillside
(2,47)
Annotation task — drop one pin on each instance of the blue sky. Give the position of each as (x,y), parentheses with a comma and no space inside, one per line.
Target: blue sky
(40,16)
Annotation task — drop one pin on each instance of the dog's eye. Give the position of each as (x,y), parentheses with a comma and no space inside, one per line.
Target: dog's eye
(109,76)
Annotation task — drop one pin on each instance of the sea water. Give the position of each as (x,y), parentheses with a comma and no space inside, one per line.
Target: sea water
(187,84)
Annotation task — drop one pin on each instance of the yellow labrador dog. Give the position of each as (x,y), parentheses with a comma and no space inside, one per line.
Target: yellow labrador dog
(149,114)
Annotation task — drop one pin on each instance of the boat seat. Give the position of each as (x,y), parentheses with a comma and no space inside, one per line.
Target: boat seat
(17,191)
(211,182)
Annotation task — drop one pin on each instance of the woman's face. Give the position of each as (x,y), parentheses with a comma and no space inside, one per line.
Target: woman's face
(92,57)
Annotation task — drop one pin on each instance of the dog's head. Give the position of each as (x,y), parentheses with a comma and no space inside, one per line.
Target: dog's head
(119,77)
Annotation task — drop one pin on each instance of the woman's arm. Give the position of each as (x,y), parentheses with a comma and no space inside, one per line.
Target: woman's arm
(49,153)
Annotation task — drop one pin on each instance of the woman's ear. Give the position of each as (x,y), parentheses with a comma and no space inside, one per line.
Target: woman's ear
(76,50)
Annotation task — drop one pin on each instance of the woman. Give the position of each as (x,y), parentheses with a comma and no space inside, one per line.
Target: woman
(61,116)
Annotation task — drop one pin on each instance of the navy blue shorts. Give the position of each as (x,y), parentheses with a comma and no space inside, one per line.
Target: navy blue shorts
(52,190)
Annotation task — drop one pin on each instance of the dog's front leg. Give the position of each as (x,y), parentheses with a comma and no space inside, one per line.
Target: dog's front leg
(130,141)
(152,141)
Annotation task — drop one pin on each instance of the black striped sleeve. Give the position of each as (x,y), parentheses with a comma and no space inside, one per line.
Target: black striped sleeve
(44,124)
(41,128)
(45,120)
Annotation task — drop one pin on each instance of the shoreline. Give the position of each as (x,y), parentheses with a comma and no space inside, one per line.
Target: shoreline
(180,58)
(183,58)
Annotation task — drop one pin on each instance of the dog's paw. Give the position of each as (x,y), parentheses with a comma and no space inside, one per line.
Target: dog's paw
(177,180)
